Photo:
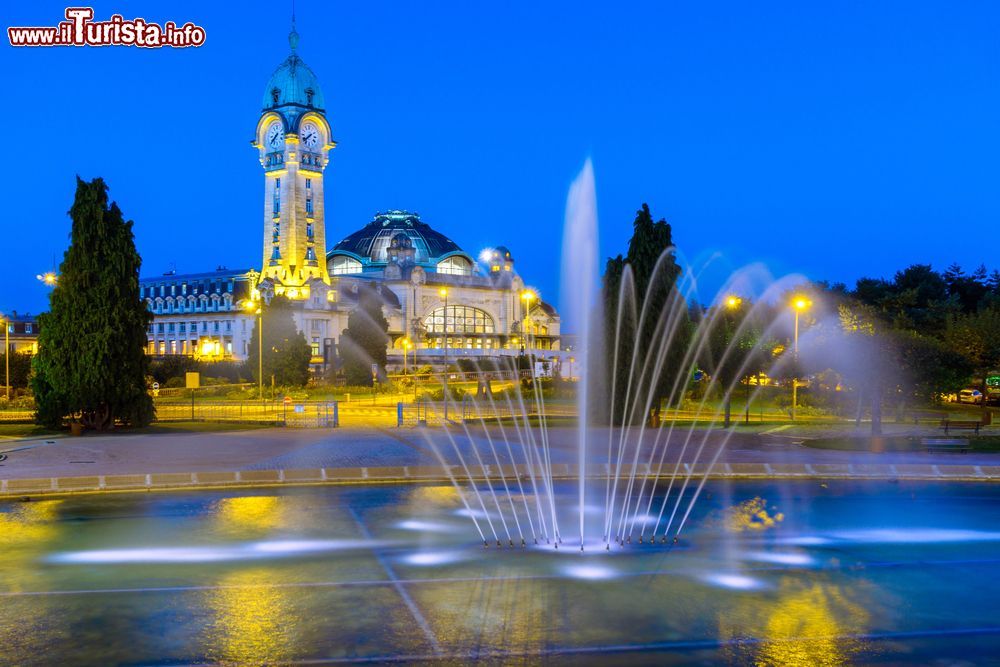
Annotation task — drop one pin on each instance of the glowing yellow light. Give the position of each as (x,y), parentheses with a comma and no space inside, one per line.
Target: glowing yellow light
(733,301)
(443,292)
(800,303)
(528,295)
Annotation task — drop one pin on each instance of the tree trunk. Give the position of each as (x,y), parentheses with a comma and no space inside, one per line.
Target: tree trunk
(729,405)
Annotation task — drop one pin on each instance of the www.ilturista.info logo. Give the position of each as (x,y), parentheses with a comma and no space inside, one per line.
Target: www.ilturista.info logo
(80,30)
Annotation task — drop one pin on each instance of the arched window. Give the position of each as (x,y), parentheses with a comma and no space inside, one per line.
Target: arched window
(455,265)
(341,265)
(459,320)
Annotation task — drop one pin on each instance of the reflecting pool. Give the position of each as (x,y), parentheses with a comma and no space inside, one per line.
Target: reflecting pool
(789,573)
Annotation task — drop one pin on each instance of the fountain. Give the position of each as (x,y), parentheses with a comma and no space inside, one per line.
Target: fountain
(507,472)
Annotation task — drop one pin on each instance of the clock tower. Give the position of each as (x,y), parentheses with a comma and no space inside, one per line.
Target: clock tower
(294,142)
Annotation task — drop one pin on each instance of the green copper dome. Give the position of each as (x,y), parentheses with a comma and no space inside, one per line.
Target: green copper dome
(293,83)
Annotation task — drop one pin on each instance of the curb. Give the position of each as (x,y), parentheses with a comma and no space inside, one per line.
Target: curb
(47,486)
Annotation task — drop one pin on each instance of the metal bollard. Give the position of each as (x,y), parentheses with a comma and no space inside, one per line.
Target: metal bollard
(399,415)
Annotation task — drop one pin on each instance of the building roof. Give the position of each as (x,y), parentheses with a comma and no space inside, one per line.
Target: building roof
(220,273)
(294,82)
(372,241)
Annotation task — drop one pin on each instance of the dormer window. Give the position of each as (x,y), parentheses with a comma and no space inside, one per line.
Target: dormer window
(274,96)
(309,96)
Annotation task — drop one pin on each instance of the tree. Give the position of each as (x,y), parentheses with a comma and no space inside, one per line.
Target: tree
(636,340)
(364,341)
(91,363)
(20,369)
(286,352)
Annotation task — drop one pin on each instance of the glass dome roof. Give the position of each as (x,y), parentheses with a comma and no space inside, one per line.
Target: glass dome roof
(371,242)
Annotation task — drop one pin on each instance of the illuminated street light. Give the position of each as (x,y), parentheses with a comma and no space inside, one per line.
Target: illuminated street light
(527,296)
(799,305)
(733,302)
(49,278)
(259,312)
(444,295)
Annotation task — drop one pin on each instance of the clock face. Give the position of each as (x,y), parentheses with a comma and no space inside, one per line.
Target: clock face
(310,136)
(274,135)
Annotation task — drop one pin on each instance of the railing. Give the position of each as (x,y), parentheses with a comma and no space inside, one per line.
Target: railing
(301,414)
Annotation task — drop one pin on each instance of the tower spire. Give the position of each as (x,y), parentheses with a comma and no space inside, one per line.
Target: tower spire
(293,37)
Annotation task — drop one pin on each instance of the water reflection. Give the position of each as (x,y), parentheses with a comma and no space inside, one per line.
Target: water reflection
(254,622)
(806,623)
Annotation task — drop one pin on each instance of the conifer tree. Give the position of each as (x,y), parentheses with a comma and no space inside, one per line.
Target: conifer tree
(91,363)
(286,351)
(364,341)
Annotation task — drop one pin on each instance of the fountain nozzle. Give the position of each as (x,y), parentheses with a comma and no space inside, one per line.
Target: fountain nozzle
(581,548)
(676,539)
(522,541)
(629,539)
(640,539)
(499,544)
(486,545)
(607,547)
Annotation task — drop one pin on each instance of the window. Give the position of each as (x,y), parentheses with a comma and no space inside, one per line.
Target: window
(341,265)
(459,319)
(274,96)
(215,326)
(159,328)
(170,328)
(309,229)
(455,266)
(182,327)
(309,184)
(309,206)
(310,254)
(229,326)
(277,196)
(184,289)
(27,328)
(315,347)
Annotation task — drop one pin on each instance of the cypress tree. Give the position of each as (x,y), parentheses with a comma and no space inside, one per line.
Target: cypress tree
(286,351)
(364,341)
(91,363)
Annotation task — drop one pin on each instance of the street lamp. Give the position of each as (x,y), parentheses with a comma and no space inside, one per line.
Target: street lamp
(6,355)
(259,312)
(406,346)
(733,302)
(527,296)
(799,305)
(444,295)
(49,278)
(571,360)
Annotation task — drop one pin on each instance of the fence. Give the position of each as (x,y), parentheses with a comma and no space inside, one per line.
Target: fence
(423,412)
(301,414)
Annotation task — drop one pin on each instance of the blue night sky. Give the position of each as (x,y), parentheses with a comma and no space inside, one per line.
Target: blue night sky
(836,141)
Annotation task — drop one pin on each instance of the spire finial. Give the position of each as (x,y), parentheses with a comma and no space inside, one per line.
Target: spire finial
(293,37)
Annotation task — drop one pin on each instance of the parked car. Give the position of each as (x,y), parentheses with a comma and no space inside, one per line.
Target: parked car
(970,396)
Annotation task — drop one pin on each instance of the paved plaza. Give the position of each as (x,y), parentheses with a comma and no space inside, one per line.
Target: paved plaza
(288,448)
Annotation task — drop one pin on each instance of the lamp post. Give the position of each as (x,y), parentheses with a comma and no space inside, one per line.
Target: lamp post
(444,295)
(259,312)
(49,278)
(799,305)
(6,355)
(571,360)
(732,304)
(406,346)
(527,296)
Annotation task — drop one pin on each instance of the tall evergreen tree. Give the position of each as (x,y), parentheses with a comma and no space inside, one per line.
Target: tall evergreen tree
(364,341)
(640,338)
(91,363)
(286,352)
